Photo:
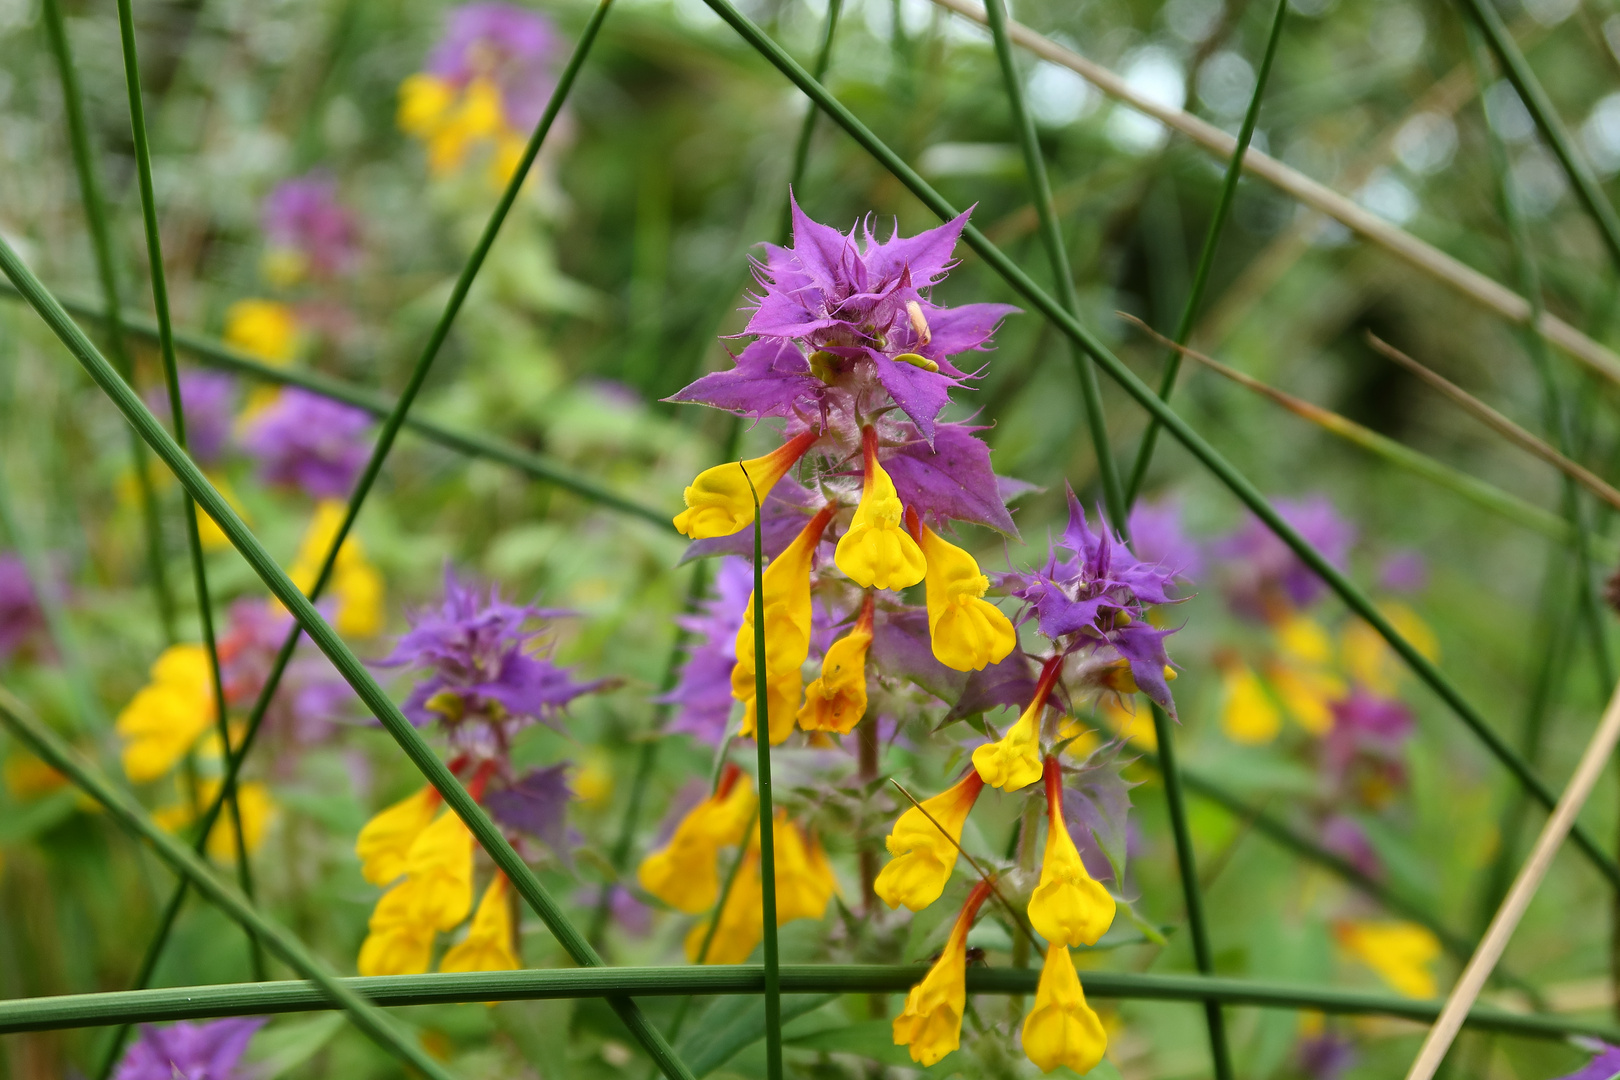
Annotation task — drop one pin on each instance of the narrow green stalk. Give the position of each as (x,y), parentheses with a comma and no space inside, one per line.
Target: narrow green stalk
(801,149)
(384,444)
(1206,258)
(1228,475)
(1187,865)
(213,353)
(353,670)
(531,984)
(1058,257)
(171,377)
(767,816)
(95,215)
(332,991)
(1483,14)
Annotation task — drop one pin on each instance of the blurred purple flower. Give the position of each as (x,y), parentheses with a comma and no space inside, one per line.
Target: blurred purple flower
(1327,1056)
(310,442)
(1100,599)
(303,216)
(209,398)
(1367,743)
(1348,840)
(1605,1065)
(187,1051)
(1404,571)
(857,299)
(1157,537)
(702,697)
(1265,576)
(311,696)
(20,614)
(512,47)
(483,686)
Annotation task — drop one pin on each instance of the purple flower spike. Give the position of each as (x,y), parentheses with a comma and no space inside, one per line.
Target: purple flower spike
(1267,578)
(311,442)
(187,1051)
(510,46)
(1404,572)
(1158,537)
(1327,1056)
(483,685)
(303,216)
(20,614)
(209,399)
(1605,1065)
(702,697)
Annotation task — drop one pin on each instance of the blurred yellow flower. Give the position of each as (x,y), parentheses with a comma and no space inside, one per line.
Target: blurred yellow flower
(27,777)
(684,872)
(439,869)
(804,878)
(489,941)
(253,800)
(739,926)
(356,587)
(386,839)
(1368,657)
(264,329)
(1247,712)
(400,941)
(165,717)
(1400,952)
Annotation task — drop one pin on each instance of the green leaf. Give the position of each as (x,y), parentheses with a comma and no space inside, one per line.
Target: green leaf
(281,1048)
(732,1024)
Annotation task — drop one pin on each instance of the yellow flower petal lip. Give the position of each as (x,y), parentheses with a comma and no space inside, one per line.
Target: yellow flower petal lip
(966,631)
(439,866)
(385,840)
(1400,952)
(1014,761)
(169,714)
(1068,907)
(683,873)
(719,502)
(836,700)
(877,552)
(1248,714)
(804,880)
(930,1025)
(739,925)
(1062,1029)
(400,941)
(923,855)
(489,941)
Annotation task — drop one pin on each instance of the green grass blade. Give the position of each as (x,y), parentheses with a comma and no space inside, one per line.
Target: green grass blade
(182,860)
(95,215)
(1058,256)
(353,670)
(1229,476)
(257,999)
(767,816)
(807,129)
(171,377)
(1206,257)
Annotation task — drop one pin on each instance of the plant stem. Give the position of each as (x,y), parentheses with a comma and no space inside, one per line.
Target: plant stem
(1228,475)
(767,815)
(95,215)
(171,377)
(1206,257)
(1058,258)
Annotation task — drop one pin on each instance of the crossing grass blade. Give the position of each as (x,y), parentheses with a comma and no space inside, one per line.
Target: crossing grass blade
(95,216)
(171,378)
(257,999)
(1206,257)
(183,861)
(1226,473)
(353,670)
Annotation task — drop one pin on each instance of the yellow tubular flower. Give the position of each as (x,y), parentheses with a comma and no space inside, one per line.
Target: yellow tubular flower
(923,855)
(740,925)
(423,102)
(718,502)
(787,633)
(356,585)
(1368,657)
(804,880)
(478,116)
(683,873)
(385,841)
(489,942)
(169,714)
(836,701)
(1014,761)
(1308,694)
(967,631)
(400,941)
(264,328)
(440,867)
(1069,907)
(1400,952)
(1062,1029)
(931,1023)
(1247,713)
(257,809)
(877,552)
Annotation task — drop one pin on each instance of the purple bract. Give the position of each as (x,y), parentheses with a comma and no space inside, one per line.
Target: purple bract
(310,442)
(1158,537)
(702,697)
(304,216)
(484,685)
(512,47)
(209,399)
(187,1051)
(311,696)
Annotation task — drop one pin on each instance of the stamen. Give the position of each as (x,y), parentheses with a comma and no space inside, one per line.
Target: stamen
(919,323)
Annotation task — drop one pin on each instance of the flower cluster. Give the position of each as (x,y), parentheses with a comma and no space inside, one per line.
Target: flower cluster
(311,234)
(21,620)
(486,84)
(309,442)
(484,685)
